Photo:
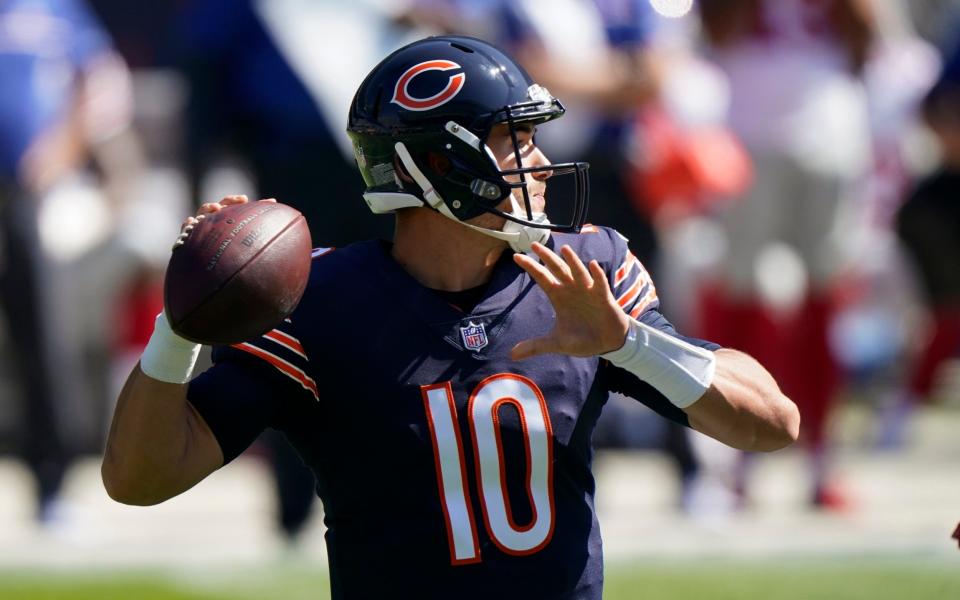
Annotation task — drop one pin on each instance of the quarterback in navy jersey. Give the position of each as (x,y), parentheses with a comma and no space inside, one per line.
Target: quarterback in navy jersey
(444,387)
(381,382)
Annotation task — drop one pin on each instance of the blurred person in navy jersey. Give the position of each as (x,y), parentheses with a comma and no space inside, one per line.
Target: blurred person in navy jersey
(799,107)
(928,224)
(269,80)
(65,101)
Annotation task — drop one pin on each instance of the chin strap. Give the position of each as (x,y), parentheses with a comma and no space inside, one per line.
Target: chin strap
(520,237)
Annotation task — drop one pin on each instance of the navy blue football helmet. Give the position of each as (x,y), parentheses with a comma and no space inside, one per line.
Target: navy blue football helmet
(440,97)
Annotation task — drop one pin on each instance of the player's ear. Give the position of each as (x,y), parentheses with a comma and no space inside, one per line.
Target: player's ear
(438,163)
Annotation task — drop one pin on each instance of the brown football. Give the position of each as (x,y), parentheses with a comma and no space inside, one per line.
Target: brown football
(239,272)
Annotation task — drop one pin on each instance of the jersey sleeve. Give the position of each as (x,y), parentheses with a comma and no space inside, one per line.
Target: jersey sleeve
(629,280)
(253,386)
(636,294)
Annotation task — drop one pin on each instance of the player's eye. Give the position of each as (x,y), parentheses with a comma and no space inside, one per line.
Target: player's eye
(526,135)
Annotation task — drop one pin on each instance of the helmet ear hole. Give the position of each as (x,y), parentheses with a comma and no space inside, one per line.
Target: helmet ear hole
(438,163)
(401,170)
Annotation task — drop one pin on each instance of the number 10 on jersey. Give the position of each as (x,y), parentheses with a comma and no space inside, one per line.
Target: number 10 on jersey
(483,415)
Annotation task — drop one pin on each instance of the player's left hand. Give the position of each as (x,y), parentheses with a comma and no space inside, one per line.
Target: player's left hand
(589,320)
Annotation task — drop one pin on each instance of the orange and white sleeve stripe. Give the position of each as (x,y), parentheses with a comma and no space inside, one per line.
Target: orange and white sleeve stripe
(632,286)
(284,352)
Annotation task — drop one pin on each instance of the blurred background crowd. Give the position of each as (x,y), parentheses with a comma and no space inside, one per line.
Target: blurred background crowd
(787,170)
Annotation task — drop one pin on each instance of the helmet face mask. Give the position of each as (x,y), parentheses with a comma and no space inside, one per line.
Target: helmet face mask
(442,97)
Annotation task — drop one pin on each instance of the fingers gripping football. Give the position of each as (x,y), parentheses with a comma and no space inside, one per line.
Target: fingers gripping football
(588,319)
(208,208)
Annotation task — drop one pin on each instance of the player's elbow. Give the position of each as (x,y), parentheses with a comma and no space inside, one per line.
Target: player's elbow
(117,486)
(126,488)
(782,426)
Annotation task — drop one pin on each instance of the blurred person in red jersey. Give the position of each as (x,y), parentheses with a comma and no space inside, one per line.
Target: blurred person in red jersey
(798,106)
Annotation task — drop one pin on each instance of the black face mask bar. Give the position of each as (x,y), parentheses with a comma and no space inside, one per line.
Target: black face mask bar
(581,201)
(577,169)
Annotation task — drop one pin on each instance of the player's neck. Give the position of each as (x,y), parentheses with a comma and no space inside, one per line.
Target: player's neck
(441,254)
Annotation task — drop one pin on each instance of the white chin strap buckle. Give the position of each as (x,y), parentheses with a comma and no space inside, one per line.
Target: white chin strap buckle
(524,236)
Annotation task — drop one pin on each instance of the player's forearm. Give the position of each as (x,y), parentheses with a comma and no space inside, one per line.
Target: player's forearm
(152,449)
(744,408)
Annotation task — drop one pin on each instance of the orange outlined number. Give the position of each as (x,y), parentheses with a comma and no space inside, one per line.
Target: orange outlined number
(483,414)
(451,473)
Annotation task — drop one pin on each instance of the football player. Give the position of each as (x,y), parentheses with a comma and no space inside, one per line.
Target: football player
(444,386)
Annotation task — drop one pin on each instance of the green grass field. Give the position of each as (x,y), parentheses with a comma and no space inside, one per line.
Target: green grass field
(815,579)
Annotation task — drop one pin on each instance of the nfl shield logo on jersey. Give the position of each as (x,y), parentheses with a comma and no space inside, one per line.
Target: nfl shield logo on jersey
(474,336)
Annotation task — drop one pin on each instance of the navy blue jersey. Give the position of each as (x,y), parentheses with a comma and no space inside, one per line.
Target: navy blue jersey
(446,469)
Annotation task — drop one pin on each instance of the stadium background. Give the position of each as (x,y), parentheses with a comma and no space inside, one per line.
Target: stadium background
(220,540)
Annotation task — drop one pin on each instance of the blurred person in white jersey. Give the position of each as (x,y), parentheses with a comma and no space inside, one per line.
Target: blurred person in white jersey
(798,106)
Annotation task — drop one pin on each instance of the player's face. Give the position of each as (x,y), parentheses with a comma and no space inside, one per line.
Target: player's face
(500,143)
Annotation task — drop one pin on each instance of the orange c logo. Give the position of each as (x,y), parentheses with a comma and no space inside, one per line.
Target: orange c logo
(453,87)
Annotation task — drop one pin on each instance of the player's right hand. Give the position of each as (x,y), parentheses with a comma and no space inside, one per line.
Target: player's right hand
(208,208)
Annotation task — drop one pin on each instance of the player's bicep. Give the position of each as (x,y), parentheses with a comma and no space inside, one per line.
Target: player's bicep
(205,454)
(252,386)
(239,397)
(227,404)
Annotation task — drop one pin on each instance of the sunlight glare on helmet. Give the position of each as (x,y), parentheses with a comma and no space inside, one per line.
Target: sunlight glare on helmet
(672,8)
(540,94)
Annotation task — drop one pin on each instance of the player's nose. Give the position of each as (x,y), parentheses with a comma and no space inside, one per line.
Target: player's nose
(538,159)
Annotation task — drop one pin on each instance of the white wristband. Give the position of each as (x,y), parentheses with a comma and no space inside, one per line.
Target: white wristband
(168,357)
(678,370)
